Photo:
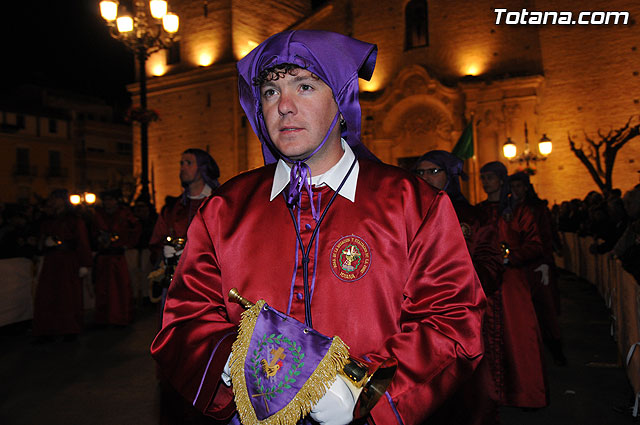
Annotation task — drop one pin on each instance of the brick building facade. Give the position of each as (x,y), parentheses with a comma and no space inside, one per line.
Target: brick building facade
(430,80)
(52,139)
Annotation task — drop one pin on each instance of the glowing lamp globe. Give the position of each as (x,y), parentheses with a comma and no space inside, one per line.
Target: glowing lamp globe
(170,23)
(109,10)
(544,145)
(509,149)
(158,8)
(125,23)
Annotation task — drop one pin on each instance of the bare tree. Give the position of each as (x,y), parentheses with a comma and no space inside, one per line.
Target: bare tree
(600,164)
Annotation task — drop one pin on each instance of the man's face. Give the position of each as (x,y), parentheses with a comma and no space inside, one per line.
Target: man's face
(188,169)
(491,183)
(432,174)
(518,189)
(298,110)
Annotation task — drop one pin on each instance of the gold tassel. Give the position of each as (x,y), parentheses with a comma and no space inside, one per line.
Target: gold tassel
(310,393)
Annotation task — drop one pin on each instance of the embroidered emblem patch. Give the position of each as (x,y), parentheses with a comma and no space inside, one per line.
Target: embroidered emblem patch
(350,258)
(264,367)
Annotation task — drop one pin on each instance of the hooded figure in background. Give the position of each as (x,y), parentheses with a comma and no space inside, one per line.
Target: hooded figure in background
(115,229)
(472,403)
(541,271)
(207,170)
(329,236)
(58,301)
(199,175)
(438,162)
(513,340)
(443,170)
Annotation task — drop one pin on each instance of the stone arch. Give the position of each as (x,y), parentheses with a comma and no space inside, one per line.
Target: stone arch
(418,123)
(414,114)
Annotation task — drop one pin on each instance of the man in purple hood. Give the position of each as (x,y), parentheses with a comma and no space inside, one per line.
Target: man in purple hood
(328,235)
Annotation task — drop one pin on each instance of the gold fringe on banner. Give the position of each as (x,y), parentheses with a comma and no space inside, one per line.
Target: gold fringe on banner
(310,393)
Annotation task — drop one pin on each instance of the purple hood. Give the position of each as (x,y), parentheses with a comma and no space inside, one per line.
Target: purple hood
(337,59)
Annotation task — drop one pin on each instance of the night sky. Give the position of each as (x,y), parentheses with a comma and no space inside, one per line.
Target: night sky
(63,44)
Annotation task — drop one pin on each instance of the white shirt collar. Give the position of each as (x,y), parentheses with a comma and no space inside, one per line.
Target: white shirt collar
(206,192)
(332,178)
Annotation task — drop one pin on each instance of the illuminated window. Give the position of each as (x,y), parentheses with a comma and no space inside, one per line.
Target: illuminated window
(416,21)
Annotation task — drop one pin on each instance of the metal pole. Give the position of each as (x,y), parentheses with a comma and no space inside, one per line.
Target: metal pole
(144,125)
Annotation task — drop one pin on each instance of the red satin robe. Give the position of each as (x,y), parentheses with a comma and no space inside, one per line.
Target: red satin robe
(546,298)
(419,301)
(475,402)
(58,304)
(174,220)
(483,244)
(514,347)
(114,296)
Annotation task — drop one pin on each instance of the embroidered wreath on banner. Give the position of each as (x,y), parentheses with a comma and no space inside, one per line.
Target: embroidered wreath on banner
(256,368)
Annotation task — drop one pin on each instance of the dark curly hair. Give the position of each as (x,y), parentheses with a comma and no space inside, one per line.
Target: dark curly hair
(278,71)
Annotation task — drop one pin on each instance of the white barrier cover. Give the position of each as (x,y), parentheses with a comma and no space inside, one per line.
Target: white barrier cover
(16,277)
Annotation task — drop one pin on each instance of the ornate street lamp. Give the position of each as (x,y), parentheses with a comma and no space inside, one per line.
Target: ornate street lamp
(150,29)
(83,198)
(510,151)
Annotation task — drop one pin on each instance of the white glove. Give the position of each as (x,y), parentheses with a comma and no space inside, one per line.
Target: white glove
(83,271)
(49,242)
(336,406)
(168,251)
(226,373)
(544,269)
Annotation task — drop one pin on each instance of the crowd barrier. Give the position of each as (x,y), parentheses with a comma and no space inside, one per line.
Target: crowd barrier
(619,291)
(19,277)
(16,286)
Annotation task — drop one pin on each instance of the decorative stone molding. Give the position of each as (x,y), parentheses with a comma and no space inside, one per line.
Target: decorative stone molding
(413,114)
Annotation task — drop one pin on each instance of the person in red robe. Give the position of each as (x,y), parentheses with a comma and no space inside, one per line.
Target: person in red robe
(475,401)
(541,271)
(199,175)
(443,171)
(328,235)
(58,300)
(514,342)
(116,229)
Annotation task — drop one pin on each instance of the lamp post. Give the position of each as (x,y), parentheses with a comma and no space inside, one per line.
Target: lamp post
(527,157)
(83,198)
(150,29)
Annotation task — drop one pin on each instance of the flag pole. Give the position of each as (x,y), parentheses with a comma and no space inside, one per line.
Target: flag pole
(474,160)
